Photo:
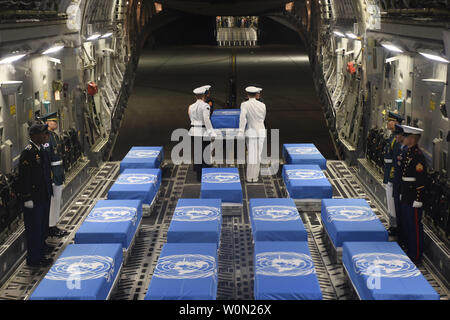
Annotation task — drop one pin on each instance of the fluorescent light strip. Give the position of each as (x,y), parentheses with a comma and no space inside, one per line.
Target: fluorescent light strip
(351,35)
(93,37)
(12,59)
(53,49)
(338,33)
(434,57)
(391,47)
(107,35)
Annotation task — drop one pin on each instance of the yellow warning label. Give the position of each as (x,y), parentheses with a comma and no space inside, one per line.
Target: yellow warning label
(45,95)
(432,105)
(400,94)
(30,114)
(12,109)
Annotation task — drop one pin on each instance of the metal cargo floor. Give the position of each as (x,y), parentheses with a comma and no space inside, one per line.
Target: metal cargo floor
(236,251)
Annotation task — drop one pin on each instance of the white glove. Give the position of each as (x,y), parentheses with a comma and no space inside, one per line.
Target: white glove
(417,204)
(29,204)
(400,197)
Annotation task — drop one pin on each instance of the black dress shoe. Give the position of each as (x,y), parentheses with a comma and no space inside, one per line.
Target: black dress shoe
(33,264)
(392,231)
(48,249)
(46,262)
(56,232)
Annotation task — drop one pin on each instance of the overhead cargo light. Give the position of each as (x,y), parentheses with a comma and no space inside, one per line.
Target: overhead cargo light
(12,59)
(339,34)
(107,35)
(351,35)
(434,57)
(93,37)
(392,48)
(53,49)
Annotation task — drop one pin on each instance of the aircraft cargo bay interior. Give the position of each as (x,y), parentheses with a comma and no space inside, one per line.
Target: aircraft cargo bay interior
(224,150)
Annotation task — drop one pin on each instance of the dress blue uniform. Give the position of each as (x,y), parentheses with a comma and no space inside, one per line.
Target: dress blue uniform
(398,154)
(36,190)
(412,196)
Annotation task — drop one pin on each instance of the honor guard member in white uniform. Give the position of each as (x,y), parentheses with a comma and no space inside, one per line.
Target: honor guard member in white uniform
(54,148)
(388,180)
(201,129)
(414,170)
(253,115)
(209,100)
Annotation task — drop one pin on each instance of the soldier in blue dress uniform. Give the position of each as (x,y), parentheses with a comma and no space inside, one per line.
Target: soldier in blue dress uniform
(412,193)
(36,191)
(392,120)
(398,154)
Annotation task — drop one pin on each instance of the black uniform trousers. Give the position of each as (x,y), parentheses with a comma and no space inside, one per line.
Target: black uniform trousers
(413,231)
(36,230)
(198,140)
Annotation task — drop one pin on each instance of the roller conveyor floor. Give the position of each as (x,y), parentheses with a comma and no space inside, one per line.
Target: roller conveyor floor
(236,251)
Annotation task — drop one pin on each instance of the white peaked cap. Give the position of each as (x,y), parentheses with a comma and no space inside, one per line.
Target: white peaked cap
(412,130)
(253,90)
(201,90)
(207,87)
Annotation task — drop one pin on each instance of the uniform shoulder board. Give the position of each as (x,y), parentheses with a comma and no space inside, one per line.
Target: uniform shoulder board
(208,108)
(29,147)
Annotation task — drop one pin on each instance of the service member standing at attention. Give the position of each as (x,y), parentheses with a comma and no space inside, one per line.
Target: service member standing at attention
(253,115)
(412,193)
(36,191)
(54,150)
(209,100)
(201,130)
(392,120)
(398,155)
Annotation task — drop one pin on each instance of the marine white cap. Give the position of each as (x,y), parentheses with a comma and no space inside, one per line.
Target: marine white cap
(201,90)
(253,90)
(207,87)
(411,130)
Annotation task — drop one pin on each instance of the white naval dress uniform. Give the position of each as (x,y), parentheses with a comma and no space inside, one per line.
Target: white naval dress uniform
(253,114)
(201,130)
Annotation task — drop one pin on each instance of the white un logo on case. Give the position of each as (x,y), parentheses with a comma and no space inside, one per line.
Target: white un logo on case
(305,174)
(185,266)
(284,264)
(142,154)
(137,178)
(387,265)
(112,214)
(82,268)
(302,150)
(196,214)
(221,177)
(350,213)
(275,213)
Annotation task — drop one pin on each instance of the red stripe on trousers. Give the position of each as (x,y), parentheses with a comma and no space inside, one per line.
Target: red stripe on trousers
(417,231)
